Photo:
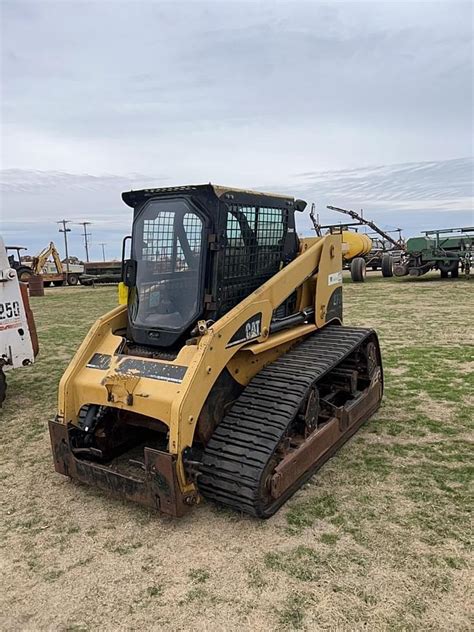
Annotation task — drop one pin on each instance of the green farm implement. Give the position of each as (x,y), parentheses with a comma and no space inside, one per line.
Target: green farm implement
(449,250)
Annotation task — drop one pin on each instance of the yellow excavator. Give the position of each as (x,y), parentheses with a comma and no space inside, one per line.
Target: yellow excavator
(60,277)
(41,259)
(225,373)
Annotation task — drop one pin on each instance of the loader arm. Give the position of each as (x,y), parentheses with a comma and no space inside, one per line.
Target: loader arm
(318,264)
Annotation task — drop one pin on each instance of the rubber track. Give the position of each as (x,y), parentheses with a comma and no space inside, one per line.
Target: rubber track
(242,444)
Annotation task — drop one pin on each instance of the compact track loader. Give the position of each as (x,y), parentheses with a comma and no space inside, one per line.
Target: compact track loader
(227,374)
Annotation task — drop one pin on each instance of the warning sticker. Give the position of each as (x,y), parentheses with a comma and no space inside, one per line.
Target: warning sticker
(335,277)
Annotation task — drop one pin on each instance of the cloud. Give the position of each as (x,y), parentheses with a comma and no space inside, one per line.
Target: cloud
(247,90)
(414,196)
(436,184)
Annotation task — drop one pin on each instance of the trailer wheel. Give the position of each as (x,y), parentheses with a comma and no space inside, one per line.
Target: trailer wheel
(72,279)
(446,268)
(400,269)
(3,386)
(24,274)
(387,265)
(358,270)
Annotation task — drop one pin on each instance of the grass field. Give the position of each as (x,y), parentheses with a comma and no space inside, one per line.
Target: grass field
(378,540)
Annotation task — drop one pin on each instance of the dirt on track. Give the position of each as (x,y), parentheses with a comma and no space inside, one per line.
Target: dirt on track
(379,539)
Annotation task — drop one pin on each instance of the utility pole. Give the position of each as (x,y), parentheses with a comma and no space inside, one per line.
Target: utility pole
(86,236)
(65,230)
(103,250)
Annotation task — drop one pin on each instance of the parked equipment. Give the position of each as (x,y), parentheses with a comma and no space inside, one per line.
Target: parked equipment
(101,272)
(358,247)
(18,339)
(228,373)
(377,250)
(58,275)
(448,250)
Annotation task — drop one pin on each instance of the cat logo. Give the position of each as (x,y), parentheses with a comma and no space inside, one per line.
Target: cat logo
(250,330)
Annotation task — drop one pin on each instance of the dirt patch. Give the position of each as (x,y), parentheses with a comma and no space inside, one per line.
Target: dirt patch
(436,410)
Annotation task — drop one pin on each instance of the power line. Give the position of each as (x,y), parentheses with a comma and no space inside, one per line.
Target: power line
(86,236)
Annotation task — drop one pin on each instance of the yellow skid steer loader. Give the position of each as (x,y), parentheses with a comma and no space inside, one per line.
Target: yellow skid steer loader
(227,374)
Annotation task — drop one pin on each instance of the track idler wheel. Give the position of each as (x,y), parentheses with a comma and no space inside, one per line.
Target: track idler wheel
(373,359)
(311,413)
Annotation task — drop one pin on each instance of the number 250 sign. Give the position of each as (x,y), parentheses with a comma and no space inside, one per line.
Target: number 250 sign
(8,310)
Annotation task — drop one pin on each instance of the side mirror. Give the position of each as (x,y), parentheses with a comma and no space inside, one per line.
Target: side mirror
(129,274)
(299,205)
(129,266)
(125,240)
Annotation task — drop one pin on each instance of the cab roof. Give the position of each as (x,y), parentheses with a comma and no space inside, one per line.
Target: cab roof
(134,198)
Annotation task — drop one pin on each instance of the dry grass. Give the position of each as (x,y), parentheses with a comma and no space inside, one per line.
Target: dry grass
(378,540)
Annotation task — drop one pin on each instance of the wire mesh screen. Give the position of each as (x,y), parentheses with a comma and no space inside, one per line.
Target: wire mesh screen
(158,238)
(253,251)
(189,242)
(172,240)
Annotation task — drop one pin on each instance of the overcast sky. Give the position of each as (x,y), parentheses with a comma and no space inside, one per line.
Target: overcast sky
(364,104)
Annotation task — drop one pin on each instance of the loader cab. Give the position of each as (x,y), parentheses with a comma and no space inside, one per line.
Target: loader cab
(196,252)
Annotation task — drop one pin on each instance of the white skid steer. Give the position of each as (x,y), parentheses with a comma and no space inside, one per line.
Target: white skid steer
(18,339)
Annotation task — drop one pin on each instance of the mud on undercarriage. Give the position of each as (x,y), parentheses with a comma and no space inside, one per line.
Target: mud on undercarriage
(155,484)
